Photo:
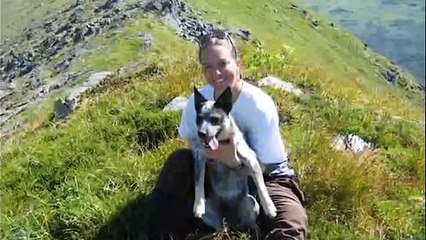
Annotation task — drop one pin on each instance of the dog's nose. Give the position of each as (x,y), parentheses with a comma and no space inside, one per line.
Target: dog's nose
(202,134)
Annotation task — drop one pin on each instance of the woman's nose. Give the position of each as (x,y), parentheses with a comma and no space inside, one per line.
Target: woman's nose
(217,71)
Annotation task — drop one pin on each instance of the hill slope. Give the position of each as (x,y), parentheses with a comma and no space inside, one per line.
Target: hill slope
(75,178)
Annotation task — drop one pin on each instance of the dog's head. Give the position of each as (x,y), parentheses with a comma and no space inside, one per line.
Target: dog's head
(213,120)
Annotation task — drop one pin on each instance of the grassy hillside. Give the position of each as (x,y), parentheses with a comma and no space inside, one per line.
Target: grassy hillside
(73,179)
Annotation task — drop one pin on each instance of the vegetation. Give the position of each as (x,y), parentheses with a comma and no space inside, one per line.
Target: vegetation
(68,179)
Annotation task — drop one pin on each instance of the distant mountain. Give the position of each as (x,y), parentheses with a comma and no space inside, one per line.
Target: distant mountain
(393,28)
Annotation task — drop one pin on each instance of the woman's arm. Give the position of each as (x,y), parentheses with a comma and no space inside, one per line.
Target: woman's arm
(264,134)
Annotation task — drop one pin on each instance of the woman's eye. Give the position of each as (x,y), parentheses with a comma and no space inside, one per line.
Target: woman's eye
(223,63)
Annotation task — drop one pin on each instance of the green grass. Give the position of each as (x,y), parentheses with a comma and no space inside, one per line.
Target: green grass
(113,50)
(347,66)
(68,179)
(18,15)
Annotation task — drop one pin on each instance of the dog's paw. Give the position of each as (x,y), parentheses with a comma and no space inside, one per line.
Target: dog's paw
(271,211)
(200,208)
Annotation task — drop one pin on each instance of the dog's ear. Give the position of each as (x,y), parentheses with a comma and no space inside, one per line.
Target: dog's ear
(199,99)
(224,101)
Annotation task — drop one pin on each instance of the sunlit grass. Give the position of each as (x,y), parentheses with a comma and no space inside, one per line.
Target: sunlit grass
(68,179)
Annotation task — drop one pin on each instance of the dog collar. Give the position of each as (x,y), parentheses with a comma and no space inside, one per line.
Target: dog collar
(225,141)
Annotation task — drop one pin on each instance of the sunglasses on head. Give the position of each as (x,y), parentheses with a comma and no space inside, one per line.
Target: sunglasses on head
(219,34)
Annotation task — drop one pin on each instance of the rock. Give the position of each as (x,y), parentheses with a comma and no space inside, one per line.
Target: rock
(10,65)
(391,75)
(170,19)
(77,36)
(350,142)
(75,18)
(26,68)
(295,7)
(74,96)
(277,83)
(158,5)
(176,104)
(54,86)
(9,77)
(107,5)
(95,78)
(48,25)
(62,66)
(63,28)
(34,83)
(28,33)
(64,107)
(244,34)
(89,30)
(147,38)
(134,6)
(6,95)
(188,26)
(314,22)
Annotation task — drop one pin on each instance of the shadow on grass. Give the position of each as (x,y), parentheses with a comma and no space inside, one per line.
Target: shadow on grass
(146,216)
(130,222)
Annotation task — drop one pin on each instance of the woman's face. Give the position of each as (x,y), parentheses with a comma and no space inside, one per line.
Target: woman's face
(220,68)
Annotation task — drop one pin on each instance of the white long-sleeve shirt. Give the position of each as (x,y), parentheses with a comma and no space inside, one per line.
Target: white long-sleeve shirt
(256,115)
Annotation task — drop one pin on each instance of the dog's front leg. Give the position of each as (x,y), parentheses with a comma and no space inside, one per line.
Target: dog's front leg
(199,207)
(255,171)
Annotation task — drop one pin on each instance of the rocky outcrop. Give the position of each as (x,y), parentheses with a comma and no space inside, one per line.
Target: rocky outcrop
(61,38)
(65,32)
(183,19)
(56,34)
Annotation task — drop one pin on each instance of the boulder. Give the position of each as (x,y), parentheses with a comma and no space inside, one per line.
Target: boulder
(350,142)
(176,104)
(147,38)
(64,107)
(277,83)
(33,83)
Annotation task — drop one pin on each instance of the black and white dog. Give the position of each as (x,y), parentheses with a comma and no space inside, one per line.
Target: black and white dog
(230,198)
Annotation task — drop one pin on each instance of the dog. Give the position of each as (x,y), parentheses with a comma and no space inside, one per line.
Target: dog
(229,198)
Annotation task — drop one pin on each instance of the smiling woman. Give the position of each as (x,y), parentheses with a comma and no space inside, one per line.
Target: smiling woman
(220,63)
(255,113)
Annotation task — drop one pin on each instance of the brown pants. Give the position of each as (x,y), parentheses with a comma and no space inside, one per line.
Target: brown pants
(174,197)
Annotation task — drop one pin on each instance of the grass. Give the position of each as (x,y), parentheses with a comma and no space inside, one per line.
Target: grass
(70,179)
(113,50)
(17,15)
(348,66)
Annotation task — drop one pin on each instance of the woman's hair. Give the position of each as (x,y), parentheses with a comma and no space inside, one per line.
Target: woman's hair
(216,37)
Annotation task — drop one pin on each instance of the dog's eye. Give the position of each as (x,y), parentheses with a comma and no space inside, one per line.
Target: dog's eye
(214,120)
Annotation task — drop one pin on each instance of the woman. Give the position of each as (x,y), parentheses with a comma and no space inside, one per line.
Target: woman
(256,115)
